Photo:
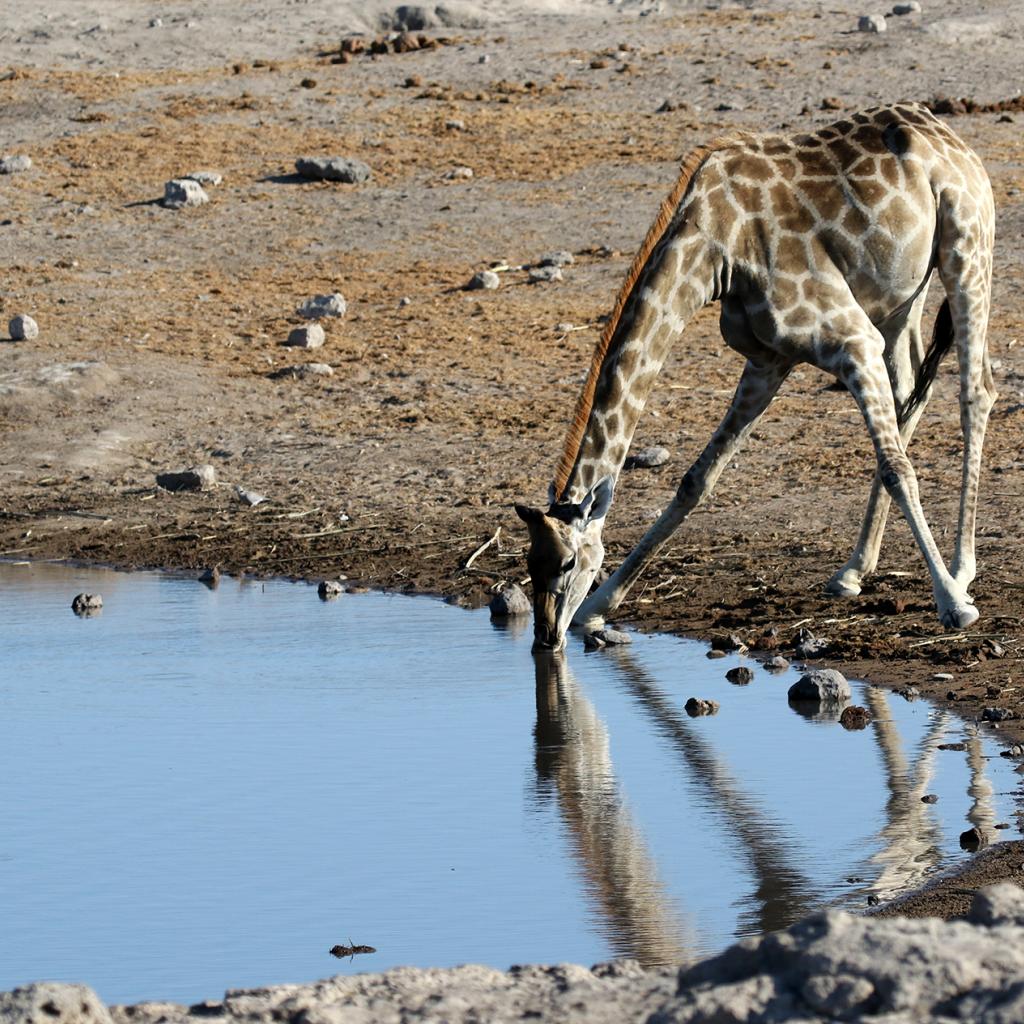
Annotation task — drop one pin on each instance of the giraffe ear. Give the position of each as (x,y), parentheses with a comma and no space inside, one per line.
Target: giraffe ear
(597,501)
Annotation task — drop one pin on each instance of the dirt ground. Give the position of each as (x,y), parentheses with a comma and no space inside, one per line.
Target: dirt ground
(161,331)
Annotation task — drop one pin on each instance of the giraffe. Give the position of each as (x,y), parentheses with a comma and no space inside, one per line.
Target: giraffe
(819,248)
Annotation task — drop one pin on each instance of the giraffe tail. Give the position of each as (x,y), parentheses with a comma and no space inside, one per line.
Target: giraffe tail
(942,342)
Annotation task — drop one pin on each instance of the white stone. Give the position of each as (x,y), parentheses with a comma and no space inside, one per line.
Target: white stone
(913,7)
(461,173)
(823,685)
(181,192)
(205,177)
(871,23)
(15,164)
(310,336)
(483,279)
(23,328)
(320,306)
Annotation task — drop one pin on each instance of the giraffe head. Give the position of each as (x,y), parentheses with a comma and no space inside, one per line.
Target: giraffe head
(564,557)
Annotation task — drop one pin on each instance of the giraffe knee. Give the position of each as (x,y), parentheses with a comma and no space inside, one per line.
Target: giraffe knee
(896,474)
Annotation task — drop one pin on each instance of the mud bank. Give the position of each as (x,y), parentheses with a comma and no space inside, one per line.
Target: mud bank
(829,966)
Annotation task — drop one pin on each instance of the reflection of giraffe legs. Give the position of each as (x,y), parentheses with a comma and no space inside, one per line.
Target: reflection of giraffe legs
(911,836)
(783,894)
(982,813)
(572,754)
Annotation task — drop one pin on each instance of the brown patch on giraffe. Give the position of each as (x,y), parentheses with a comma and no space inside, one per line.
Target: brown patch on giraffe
(750,168)
(828,200)
(890,171)
(864,168)
(691,164)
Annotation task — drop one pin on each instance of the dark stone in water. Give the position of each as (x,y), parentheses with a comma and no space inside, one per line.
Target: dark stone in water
(511,601)
(776,664)
(973,839)
(929,798)
(997,715)
(823,685)
(210,578)
(741,675)
(613,637)
(855,717)
(696,707)
(87,605)
(328,590)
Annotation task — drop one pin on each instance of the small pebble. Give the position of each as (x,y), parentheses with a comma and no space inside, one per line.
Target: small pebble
(156,22)
(314,370)
(199,478)
(333,168)
(972,839)
(182,192)
(461,173)
(558,258)
(776,664)
(943,677)
(328,590)
(740,675)
(210,578)
(309,336)
(911,7)
(538,275)
(205,177)
(854,717)
(715,654)
(509,601)
(696,707)
(454,125)
(249,497)
(23,328)
(320,306)
(483,279)
(871,23)
(15,164)
(908,692)
(648,458)
(564,327)
(87,605)
(929,798)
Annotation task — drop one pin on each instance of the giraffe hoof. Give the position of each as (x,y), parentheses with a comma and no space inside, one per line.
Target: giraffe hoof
(960,616)
(843,584)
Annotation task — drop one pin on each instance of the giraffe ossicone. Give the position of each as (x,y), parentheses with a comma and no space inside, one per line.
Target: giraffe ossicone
(819,247)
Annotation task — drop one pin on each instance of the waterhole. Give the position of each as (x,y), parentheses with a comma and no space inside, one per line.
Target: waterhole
(204,789)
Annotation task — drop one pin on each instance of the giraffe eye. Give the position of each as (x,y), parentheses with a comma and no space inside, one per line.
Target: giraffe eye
(568,565)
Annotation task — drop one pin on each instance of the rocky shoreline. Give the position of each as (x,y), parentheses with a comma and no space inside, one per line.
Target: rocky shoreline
(830,966)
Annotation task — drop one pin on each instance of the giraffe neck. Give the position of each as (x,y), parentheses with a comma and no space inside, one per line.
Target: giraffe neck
(680,277)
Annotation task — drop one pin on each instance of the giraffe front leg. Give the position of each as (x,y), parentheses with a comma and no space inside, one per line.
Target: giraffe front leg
(757,387)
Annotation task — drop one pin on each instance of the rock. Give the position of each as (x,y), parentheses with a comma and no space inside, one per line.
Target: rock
(730,644)
(23,328)
(871,23)
(740,675)
(405,43)
(328,590)
(87,605)
(314,370)
(461,173)
(592,642)
(648,458)
(182,192)
(210,578)
(249,497)
(453,124)
(854,717)
(333,168)
(776,664)
(205,177)
(973,839)
(509,601)
(943,677)
(613,637)
(1015,751)
(558,258)
(912,7)
(811,647)
(998,905)
(929,798)
(483,279)
(697,707)
(997,715)
(539,275)
(712,654)
(15,164)
(320,306)
(822,686)
(910,693)
(310,336)
(49,1002)
(198,478)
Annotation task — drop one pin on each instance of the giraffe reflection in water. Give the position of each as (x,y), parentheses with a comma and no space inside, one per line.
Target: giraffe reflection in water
(572,757)
(640,915)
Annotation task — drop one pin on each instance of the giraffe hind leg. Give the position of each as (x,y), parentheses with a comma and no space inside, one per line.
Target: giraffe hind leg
(904,358)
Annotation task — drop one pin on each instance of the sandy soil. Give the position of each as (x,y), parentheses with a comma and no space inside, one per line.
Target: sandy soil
(161,331)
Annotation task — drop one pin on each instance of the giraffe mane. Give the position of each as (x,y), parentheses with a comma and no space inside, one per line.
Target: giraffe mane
(585,403)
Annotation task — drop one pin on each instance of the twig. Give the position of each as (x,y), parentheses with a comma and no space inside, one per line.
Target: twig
(494,539)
